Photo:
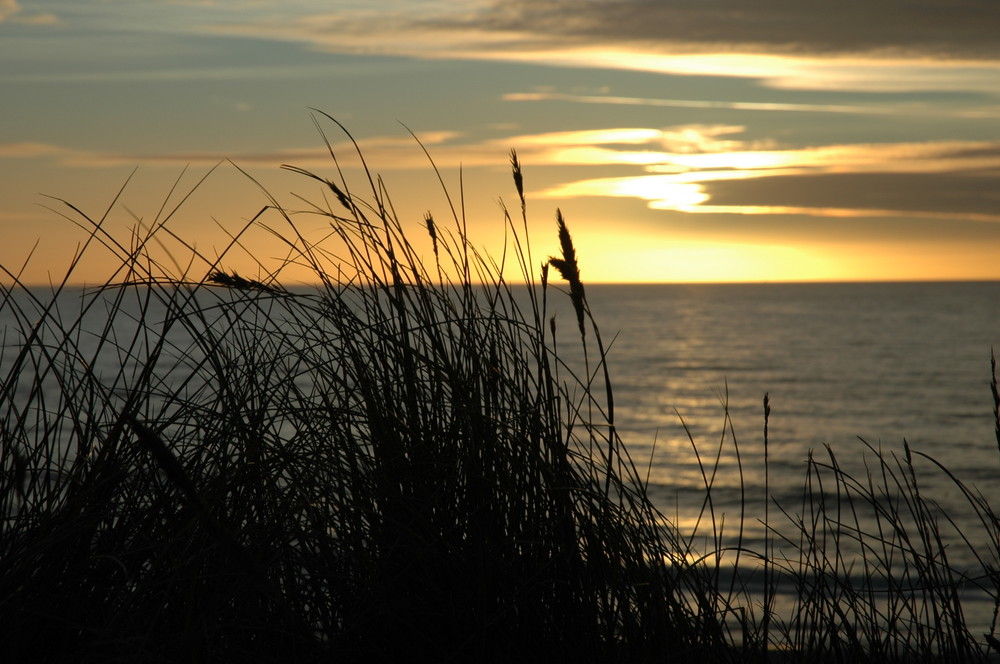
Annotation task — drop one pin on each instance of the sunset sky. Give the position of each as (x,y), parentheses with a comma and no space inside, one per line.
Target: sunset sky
(683,140)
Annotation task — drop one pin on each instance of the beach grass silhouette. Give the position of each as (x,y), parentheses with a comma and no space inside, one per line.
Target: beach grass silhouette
(400,465)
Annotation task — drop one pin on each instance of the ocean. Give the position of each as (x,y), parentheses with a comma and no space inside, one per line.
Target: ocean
(851,371)
(882,362)
(848,368)
(840,363)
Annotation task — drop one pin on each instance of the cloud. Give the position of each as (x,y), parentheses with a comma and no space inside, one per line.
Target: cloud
(881,45)
(11,11)
(717,172)
(696,168)
(393,152)
(951,28)
(924,29)
(693,103)
(7,9)
(411,29)
(28,150)
(38,19)
(945,195)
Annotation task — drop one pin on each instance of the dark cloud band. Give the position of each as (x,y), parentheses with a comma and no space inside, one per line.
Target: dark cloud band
(938,28)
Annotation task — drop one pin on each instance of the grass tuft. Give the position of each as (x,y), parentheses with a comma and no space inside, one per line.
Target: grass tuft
(399,464)
(392,466)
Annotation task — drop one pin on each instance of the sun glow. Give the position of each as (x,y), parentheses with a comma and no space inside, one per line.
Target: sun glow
(670,260)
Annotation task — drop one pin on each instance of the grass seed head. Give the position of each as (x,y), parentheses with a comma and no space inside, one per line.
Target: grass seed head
(515,167)
(570,271)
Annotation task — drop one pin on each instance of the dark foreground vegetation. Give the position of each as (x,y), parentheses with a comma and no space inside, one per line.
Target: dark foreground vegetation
(398,466)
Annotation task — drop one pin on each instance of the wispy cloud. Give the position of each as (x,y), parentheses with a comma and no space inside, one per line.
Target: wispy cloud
(28,150)
(693,103)
(966,28)
(395,152)
(12,12)
(881,45)
(38,19)
(941,195)
(943,179)
(8,8)
(193,73)
(381,28)
(694,168)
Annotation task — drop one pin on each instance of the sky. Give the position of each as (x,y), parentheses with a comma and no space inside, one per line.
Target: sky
(683,140)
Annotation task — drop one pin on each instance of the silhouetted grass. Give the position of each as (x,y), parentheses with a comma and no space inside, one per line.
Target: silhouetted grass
(398,465)
(394,467)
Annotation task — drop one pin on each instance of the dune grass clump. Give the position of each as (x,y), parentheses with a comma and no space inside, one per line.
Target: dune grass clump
(393,466)
(864,566)
(401,465)
(876,573)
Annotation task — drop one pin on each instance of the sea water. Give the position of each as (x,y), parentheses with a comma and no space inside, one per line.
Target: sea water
(850,369)
(841,364)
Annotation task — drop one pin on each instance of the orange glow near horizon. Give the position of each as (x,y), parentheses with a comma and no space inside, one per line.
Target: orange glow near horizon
(687,262)
(628,252)
(681,143)
(675,171)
